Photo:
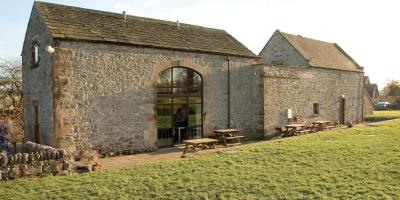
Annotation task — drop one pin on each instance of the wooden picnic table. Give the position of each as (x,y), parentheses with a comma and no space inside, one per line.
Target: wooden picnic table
(320,125)
(293,129)
(228,134)
(196,143)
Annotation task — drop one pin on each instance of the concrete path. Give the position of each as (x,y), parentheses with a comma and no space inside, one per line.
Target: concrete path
(158,156)
(174,154)
(380,122)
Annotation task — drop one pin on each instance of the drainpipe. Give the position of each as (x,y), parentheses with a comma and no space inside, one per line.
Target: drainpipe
(362,102)
(229,92)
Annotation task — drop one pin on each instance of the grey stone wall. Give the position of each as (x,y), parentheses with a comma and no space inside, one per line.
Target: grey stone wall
(38,82)
(105,94)
(247,100)
(279,51)
(368,104)
(298,88)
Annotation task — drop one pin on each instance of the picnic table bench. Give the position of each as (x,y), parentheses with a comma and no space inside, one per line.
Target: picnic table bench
(321,125)
(192,145)
(295,129)
(228,134)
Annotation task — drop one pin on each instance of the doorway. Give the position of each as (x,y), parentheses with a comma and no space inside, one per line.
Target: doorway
(179,106)
(342,109)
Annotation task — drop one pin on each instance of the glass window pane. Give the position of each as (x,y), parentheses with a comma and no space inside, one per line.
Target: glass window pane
(194,132)
(180,111)
(164,91)
(193,78)
(180,91)
(193,100)
(164,137)
(194,91)
(196,80)
(164,78)
(36,53)
(180,100)
(195,115)
(179,77)
(164,118)
(164,100)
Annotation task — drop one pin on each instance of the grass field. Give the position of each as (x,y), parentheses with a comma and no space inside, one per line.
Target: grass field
(383,115)
(361,163)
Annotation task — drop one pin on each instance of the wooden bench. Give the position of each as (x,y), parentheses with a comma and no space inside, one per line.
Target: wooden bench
(280,131)
(192,145)
(228,134)
(303,131)
(330,127)
(234,137)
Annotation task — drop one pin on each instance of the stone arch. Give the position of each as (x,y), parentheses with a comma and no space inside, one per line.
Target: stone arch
(177,63)
(182,98)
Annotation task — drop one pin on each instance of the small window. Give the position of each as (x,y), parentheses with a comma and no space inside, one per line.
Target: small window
(315,108)
(35,54)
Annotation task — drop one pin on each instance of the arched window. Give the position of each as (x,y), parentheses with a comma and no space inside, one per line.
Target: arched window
(179,106)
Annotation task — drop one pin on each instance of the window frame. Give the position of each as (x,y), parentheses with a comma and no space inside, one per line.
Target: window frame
(35,59)
(187,89)
(316,109)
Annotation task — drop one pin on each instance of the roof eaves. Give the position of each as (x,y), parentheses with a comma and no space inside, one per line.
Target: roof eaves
(158,47)
(349,70)
(238,42)
(348,56)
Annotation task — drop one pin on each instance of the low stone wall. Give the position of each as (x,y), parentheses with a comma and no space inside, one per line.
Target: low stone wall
(35,160)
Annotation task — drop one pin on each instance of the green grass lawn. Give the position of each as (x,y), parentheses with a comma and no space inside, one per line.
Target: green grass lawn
(381,115)
(360,163)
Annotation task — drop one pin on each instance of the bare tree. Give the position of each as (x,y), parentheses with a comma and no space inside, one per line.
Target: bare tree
(390,86)
(11,97)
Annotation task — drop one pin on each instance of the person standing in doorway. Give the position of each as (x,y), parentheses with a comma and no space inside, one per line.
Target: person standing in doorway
(179,122)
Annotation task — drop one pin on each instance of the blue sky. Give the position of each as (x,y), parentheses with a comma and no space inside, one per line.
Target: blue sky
(368,30)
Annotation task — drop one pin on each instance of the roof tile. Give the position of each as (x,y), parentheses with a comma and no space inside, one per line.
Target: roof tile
(322,54)
(92,25)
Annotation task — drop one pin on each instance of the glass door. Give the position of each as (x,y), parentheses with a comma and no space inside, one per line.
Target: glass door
(179,106)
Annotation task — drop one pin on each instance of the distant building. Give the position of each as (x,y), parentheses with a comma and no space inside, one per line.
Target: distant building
(371,96)
(119,83)
(394,96)
(372,88)
(395,92)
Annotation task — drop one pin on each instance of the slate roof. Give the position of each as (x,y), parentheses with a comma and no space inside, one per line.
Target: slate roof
(72,23)
(372,89)
(322,54)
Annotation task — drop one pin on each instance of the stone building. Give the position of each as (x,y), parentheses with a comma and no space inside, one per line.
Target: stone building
(311,80)
(114,82)
(371,96)
(394,96)
(371,88)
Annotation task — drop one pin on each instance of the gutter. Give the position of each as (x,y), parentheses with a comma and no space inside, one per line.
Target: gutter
(249,55)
